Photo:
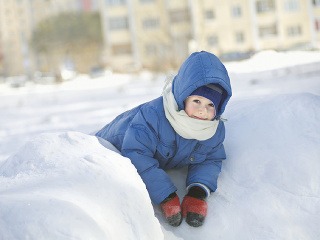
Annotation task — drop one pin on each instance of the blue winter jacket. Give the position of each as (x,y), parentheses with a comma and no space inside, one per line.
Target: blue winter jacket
(145,136)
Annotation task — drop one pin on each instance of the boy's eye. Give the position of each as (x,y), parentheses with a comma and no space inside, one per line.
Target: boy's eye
(211,105)
(196,101)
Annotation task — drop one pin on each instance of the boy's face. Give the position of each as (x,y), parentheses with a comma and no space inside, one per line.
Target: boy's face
(199,108)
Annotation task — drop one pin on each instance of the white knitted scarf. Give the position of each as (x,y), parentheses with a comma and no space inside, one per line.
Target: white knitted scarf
(185,126)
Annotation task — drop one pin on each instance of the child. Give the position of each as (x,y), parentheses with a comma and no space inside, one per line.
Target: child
(180,128)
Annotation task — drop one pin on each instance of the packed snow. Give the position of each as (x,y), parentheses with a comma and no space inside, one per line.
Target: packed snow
(58,181)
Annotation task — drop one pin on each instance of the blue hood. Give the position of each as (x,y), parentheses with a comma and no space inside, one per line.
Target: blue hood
(201,68)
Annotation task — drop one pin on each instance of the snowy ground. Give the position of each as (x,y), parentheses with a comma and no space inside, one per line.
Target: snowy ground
(58,182)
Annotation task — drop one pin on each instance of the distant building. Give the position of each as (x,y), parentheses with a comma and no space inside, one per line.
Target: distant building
(18,19)
(149,34)
(15,30)
(158,34)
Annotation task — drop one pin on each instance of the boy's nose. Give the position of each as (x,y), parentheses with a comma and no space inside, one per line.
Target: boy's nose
(202,110)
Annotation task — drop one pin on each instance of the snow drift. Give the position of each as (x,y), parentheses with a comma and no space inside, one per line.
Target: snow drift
(67,185)
(269,187)
(271,184)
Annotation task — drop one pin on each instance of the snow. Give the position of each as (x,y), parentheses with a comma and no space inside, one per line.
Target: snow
(57,181)
(67,185)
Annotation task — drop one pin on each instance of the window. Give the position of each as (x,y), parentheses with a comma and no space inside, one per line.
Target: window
(179,16)
(239,37)
(268,31)
(291,5)
(121,49)
(212,40)
(294,31)
(209,14)
(118,23)
(265,6)
(115,2)
(236,11)
(151,23)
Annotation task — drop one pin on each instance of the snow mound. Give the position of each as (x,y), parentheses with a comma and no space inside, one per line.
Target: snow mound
(282,133)
(269,60)
(270,183)
(68,186)
(269,187)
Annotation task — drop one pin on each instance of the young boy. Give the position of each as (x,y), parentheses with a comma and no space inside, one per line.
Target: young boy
(180,128)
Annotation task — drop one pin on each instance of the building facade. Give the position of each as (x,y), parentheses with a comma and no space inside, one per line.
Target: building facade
(152,34)
(159,34)
(18,19)
(15,30)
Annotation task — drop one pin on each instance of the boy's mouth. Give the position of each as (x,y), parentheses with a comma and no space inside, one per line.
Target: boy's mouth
(199,118)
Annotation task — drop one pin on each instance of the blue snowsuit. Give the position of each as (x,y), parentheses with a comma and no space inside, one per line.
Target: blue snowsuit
(145,136)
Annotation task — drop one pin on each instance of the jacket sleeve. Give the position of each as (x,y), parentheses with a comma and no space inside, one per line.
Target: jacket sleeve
(139,145)
(206,173)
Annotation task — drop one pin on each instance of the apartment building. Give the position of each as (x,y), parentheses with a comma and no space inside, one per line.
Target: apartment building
(18,18)
(15,29)
(159,34)
(230,26)
(151,34)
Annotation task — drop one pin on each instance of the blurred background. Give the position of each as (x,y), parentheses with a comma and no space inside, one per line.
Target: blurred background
(49,41)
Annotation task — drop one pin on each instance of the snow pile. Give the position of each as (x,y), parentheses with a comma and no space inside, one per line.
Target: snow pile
(271,183)
(271,60)
(68,186)
(269,187)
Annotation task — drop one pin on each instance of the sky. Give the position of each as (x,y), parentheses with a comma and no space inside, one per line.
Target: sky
(57,181)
